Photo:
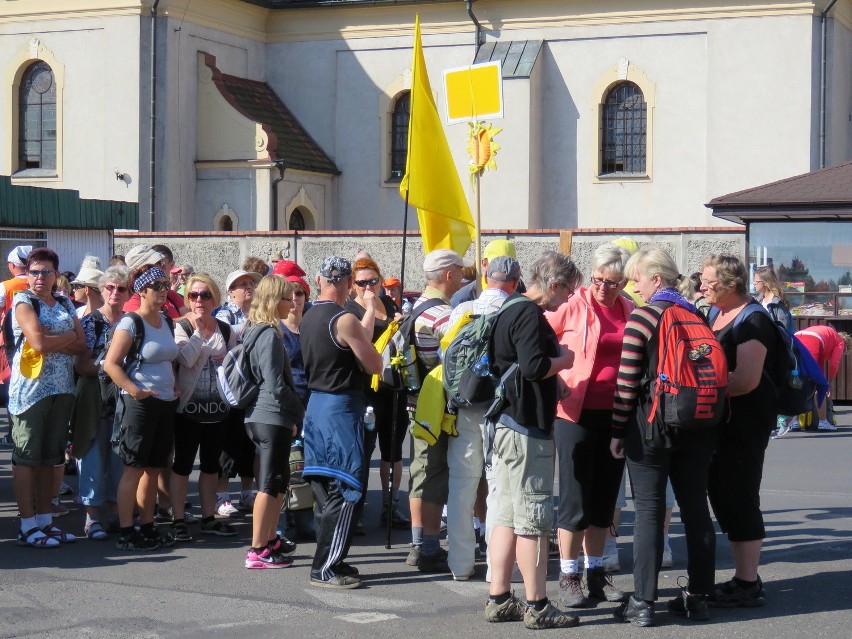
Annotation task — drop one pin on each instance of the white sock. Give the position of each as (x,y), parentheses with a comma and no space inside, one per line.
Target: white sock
(569,565)
(43,520)
(594,562)
(28,523)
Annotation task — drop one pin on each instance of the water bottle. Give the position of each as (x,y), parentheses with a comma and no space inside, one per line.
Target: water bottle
(482,368)
(795,380)
(410,374)
(370,419)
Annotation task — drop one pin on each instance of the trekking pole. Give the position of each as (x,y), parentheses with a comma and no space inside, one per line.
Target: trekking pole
(398,387)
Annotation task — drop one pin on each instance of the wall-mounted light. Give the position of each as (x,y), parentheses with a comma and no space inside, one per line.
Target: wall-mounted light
(120,175)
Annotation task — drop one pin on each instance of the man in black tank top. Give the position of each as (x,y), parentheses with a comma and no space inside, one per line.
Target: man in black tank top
(338,357)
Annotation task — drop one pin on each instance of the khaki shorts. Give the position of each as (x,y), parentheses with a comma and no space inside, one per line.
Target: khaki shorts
(40,433)
(524,481)
(428,471)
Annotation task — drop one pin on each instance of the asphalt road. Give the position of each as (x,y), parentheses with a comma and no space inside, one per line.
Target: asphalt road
(201,590)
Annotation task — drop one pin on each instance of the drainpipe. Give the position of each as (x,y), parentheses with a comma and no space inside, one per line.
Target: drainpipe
(279,164)
(823,83)
(153,135)
(478,41)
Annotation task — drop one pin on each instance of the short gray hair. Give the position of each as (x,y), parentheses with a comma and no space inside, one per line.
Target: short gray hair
(437,276)
(115,273)
(612,258)
(551,267)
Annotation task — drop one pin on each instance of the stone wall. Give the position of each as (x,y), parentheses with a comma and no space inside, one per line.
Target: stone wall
(221,253)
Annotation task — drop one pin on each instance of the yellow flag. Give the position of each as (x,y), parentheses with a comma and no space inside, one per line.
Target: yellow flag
(431,178)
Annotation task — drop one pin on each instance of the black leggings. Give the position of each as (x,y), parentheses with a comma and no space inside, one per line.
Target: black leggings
(273,443)
(190,436)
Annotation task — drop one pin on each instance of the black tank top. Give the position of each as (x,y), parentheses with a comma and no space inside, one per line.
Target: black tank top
(330,367)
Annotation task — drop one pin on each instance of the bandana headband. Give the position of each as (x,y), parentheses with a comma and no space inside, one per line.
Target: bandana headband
(149,276)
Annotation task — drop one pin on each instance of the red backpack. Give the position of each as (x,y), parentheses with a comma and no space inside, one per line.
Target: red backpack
(691,380)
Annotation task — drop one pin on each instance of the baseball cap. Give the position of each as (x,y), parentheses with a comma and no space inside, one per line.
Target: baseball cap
(335,268)
(141,255)
(391,281)
(504,269)
(18,255)
(442,258)
(627,243)
(499,247)
(88,277)
(287,268)
(31,361)
(235,275)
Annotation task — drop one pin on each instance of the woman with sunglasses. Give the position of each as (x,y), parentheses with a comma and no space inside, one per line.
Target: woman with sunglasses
(201,419)
(41,395)
(149,400)
(271,419)
(375,312)
(591,324)
(98,466)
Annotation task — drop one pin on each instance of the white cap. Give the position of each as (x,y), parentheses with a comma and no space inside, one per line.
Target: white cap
(18,255)
(235,275)
(141,255)
(443,258)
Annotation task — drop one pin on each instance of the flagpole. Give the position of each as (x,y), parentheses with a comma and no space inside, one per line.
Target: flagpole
(404,242)
(476,219)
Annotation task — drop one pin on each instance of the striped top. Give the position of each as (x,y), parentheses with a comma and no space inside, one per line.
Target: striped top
(640,345)
(430,327)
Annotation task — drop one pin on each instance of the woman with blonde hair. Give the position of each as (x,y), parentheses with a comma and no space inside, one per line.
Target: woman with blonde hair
(201,417)
(271,419)
(770,293)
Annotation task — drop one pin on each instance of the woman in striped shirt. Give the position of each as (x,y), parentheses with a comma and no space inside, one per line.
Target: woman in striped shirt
(655,452)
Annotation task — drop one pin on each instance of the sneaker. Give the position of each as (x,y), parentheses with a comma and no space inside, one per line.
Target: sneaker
(413,556)
(667,557)
(218,528)
(693,607)
(481,550)
(227,509)
(512,609)
(398,520)
(180,532)
(434,563)
(266,558)
(137,542)
(731,594)
(58,509)
(347,570)
(549,617)
(65,489)
(639,613)
(283,545)
(600,586)
(337,582)
(571,590)
(610,556)
(824,424)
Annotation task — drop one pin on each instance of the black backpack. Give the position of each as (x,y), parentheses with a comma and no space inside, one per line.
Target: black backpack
(399,346)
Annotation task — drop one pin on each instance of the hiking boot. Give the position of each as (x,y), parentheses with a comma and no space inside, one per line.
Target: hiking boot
(639,613)
(571,590)
(549,617)
(731,594)
(337,582)
(512,609)
(413,558)
(693,607)
(136,542)
(434,563)
(600,586)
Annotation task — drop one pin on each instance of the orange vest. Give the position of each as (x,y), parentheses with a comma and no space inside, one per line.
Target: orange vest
(13,286)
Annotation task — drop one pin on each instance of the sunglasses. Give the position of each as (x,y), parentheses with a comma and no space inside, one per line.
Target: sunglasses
(299,293)
(77,287)
(205,295)
(158,286)
(47,272)
(287,299)
(370,282)
(111,288)
(599,281)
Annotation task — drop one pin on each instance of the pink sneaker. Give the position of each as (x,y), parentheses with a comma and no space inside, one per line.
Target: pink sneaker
(266,558)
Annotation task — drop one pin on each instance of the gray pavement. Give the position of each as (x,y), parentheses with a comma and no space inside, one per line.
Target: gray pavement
(90,589)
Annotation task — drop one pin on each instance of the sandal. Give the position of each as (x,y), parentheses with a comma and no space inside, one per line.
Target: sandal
(36,538)
(55,533)
(219,528)
(96,531)
(180,531)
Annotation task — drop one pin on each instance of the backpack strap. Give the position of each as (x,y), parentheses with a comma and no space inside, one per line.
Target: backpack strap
(225,329)
(425,306)
(187,327)
(101,324)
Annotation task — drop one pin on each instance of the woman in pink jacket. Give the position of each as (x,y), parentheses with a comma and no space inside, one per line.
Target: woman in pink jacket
(591,324)
(826,345)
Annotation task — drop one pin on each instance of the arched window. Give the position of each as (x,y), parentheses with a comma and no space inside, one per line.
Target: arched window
(624,130)
(297,221)
(37,123)
(399,134)
(226,223)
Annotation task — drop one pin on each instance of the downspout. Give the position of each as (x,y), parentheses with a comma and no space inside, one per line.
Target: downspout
(478,36)
(279,164)
(153,135)
(823,82)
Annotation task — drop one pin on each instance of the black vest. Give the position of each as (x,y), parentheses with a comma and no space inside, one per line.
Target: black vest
(330,367)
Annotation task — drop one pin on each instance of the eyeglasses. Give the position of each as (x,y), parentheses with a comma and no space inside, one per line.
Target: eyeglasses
(709,283)
(371,282)
(599,281)
(299,293)
(111,288)
(47,272)
(287,299)
(205,295)
(158,286)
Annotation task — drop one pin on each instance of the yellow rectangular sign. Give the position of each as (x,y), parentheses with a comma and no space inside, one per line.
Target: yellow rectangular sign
(474,92)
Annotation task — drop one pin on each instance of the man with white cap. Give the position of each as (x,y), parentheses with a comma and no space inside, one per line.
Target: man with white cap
(428,472)
(17,262)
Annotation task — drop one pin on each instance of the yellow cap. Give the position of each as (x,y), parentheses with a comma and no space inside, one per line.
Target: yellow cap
(31,361)
(627,243)
(496,248)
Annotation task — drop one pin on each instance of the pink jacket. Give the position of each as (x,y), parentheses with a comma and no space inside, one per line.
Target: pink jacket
(578,328)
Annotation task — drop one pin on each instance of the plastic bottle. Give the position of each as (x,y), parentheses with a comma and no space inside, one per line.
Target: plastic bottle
(369,419)
(410,375)
(482,368)
(795,380)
